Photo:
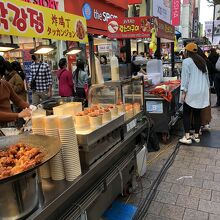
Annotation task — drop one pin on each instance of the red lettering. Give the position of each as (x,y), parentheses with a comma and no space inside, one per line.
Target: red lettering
(3,13)
(20,17)
(36,20)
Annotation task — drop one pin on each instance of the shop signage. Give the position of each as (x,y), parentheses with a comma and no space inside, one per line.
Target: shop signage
(176,12)
(161,9)
(22,19)
(88,13)
(136,27)
(46,3)
(104,48)
(96,12)
(164,30)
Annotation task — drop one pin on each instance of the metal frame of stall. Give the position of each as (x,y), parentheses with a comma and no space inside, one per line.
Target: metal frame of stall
(163,113)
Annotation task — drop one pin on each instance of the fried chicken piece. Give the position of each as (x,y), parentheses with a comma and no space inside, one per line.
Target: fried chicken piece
(7,161)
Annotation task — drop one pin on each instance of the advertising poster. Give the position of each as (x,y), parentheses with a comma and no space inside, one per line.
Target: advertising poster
(161,9)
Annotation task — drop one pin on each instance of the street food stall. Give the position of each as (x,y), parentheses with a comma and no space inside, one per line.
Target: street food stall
(161,89)
(78,160)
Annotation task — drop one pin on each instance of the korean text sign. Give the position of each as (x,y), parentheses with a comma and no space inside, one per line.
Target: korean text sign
(136,27)
(20,18)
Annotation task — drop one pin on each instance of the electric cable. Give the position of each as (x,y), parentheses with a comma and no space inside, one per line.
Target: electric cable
(143,208)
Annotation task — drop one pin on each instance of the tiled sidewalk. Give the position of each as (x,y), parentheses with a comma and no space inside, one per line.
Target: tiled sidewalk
(190,190)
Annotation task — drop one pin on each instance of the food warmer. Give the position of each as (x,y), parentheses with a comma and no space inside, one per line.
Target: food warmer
(129,92)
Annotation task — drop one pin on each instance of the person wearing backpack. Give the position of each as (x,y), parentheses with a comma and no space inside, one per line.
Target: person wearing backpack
(65,79)
(40,81)
(213,58)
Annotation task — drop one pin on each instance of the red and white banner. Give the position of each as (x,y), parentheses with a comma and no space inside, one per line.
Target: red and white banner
(176,12)
(136,27)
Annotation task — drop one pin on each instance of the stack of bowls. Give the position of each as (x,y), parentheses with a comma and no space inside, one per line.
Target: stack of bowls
(70,149)
(56,164)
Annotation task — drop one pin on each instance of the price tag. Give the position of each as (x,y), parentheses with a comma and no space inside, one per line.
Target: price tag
(131,125)
(155,107)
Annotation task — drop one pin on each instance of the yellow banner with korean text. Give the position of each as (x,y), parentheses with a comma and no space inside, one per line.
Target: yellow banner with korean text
(24,19)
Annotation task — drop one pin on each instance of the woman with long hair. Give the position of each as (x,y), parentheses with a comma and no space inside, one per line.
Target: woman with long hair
(80,78)
(195,91)
(65,79)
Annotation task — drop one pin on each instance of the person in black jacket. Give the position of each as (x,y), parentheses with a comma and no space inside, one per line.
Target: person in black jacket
(213,58)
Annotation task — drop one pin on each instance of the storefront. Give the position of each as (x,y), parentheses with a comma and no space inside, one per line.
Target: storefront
(97,14)
(32,29)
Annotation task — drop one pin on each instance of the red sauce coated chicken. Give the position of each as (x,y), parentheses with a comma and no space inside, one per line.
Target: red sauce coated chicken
(18,158)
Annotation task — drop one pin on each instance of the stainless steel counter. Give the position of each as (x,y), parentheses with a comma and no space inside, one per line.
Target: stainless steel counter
(60,195)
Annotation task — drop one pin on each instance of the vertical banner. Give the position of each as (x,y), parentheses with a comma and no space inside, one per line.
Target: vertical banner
(176,12)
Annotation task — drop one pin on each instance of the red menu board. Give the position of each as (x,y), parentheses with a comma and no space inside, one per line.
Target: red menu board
(136,27)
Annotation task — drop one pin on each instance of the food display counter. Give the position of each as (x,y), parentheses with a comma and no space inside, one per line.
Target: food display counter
(107,156)
(163,107)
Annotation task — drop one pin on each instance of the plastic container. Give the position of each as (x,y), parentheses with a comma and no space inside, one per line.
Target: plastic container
(99,75)
(142,161)
(114,68)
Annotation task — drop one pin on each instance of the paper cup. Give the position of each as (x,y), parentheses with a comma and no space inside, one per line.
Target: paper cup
(38,122)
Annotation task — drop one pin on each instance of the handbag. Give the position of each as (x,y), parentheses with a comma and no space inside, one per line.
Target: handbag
(33,84)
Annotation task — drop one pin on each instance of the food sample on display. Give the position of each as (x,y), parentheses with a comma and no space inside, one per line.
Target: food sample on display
(106,115)
(113,109)
(129,111)
(121,107)
(95,119)
(19,158)
(82,120)
(137,108)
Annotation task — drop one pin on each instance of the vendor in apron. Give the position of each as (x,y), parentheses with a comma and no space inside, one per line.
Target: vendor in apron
(6,95)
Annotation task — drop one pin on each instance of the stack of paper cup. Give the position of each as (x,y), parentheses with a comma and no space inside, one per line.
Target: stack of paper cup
(70,149)
(38,127)
(56,164)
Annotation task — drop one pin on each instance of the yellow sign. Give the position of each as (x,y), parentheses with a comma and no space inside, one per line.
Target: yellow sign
(23,19)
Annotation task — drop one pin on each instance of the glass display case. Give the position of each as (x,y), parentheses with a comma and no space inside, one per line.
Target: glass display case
(126,95)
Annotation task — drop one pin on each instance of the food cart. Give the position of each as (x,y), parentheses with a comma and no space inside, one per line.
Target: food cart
(107,152)
(164,112)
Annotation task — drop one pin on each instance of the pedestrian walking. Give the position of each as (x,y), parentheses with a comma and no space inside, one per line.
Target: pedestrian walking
(40,81)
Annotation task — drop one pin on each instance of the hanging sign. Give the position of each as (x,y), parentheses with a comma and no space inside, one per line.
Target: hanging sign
(135,27)
(24,19)
(164,30)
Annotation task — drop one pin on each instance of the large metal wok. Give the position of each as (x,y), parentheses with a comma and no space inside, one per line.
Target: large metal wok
(49,145)
(21,194)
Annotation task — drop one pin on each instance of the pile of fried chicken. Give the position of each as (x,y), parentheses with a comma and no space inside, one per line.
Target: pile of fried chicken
(18,158)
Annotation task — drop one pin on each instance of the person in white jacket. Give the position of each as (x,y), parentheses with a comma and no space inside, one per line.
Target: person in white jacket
(195,91)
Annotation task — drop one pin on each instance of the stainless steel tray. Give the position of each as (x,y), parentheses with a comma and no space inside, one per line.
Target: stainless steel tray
(49,145)
(92,137)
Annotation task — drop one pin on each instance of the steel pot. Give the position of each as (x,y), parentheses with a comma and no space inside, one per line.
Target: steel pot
(20,197)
